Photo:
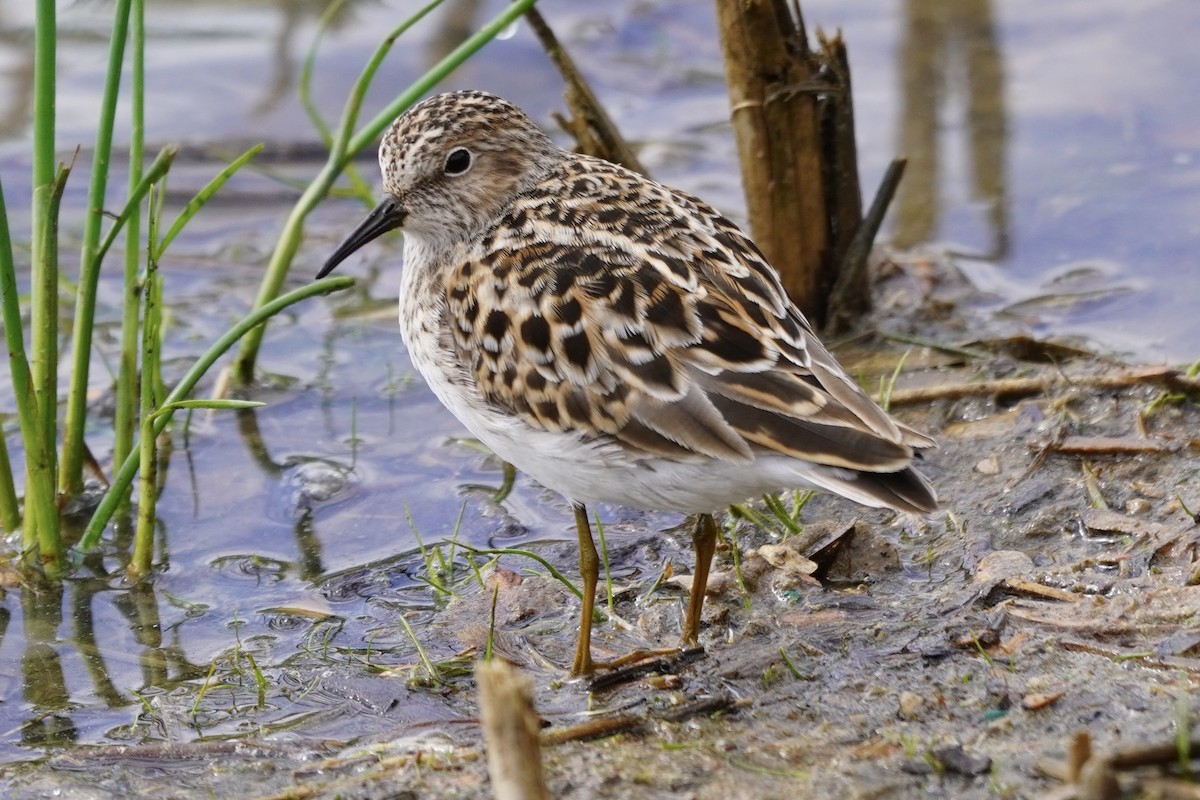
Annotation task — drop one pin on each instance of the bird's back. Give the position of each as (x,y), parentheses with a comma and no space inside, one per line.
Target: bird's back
(608,319)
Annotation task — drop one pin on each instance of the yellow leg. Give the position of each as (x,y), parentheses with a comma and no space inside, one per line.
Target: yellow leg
(589,570)
(704,542)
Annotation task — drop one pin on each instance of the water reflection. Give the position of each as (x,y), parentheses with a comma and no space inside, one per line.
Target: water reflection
(459,21)
(83,636)
(950,55)
(44,684)
(15,113)
(293,34)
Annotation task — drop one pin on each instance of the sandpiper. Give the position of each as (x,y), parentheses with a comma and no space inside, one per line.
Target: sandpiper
(616,339)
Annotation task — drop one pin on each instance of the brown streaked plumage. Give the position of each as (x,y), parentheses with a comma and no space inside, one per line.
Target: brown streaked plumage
(617,339)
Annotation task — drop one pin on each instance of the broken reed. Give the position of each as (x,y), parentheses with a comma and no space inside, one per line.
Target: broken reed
(792,115)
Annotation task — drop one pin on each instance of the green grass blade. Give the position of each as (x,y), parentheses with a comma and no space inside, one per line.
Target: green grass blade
(886,387)
(342,143)
(608,584)
(10,314)
(125,416)
(213,403)
(70,476)
(143,539)
(44,54)
(306,72)
(293,229)
(516,551)
(72,447)
(196,203)
(182,389)
(155,173)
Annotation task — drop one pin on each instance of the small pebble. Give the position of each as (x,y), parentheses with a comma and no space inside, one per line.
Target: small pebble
(989,466)
(1035,700)
(959,761)
(1137,505)
(910,705)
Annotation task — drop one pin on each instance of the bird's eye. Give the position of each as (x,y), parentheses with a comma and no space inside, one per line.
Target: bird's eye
(458,162)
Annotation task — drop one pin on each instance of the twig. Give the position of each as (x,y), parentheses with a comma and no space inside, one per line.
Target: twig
(1015,387)
(850,298)
(593,729)
(591,126)
(510,732)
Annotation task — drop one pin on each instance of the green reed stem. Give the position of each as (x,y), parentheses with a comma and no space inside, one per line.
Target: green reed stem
(201,197)
(359,187)
(70,476)
(126,383)
(45,43)
(346,144)
(40,467)
(43,303)
(44,96)
(257,317)
(10,509)
(143,541)
(10,505)
(307,69)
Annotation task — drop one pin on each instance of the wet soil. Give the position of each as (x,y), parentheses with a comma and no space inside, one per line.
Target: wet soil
(1055,594)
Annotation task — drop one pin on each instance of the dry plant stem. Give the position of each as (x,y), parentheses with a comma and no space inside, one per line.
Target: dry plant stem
(1095,773)
(850,298)
(773,92)
(641,663)
(1144,660)
(593,729)
(843,196)
(1038,591)
(510,732)
(1107,446)
(1170,789)
(704,707)
(1014,387)
(591,126)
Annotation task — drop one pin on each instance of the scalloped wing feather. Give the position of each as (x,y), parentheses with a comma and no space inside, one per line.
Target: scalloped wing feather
(628,310)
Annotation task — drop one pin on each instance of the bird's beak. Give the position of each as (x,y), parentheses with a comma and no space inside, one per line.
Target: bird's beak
(387,216)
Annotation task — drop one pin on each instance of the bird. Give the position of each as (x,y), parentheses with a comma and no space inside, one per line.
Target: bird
(618,340)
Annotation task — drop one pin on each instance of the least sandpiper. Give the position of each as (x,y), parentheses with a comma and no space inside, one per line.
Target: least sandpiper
(616,339)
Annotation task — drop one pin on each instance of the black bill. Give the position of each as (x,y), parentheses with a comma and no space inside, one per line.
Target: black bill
(387,216)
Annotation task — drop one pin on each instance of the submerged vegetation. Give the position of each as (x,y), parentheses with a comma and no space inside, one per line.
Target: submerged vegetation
(55,478)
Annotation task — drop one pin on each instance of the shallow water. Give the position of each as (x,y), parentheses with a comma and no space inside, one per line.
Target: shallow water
(1067,192)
